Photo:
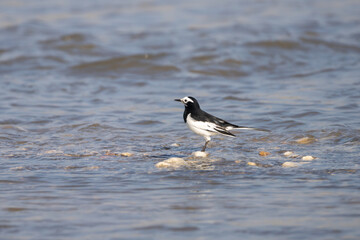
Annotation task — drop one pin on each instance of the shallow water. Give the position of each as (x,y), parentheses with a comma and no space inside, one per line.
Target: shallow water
(84,81)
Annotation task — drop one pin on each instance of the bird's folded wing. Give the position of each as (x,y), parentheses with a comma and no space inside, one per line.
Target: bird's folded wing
(211,127)
(224,131)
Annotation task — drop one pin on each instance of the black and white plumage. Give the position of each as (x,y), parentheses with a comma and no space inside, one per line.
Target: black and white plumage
(203,123)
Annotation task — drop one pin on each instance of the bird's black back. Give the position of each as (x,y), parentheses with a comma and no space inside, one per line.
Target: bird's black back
(199,115)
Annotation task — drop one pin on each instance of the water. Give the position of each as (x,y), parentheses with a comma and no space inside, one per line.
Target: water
(84,81)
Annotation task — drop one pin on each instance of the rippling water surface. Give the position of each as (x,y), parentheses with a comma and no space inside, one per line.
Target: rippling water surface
(83,82)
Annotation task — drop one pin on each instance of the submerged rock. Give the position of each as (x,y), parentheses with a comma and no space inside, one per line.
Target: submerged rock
(288,153)
(306,140)
(293,164)
(54,152)
(172,163)
(200,154)
(290,164)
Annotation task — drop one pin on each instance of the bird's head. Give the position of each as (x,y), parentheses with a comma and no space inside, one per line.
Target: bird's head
(189,102)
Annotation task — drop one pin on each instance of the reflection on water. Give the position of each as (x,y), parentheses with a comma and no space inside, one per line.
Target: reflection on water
(87,117)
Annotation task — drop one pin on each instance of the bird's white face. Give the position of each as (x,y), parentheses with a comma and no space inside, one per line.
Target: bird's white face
(186,100)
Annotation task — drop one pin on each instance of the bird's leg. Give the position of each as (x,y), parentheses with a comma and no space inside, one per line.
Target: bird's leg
(203,149)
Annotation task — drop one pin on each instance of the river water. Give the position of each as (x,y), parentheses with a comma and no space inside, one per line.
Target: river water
(87,113)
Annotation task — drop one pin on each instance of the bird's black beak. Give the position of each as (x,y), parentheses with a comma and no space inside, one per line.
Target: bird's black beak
(178,100)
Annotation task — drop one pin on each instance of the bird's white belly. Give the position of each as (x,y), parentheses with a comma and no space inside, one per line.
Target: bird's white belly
(200,128)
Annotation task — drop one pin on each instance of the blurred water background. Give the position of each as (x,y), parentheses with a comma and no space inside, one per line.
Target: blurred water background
(82,82)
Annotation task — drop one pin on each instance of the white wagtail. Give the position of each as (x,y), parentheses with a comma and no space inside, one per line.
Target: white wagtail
(205,124)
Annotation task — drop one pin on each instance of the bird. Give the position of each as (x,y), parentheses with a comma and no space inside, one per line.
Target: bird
(205,124)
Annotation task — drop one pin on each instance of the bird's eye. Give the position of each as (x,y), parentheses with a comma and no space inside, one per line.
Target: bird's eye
(185,101)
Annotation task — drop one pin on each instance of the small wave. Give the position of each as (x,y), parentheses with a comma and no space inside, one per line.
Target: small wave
(281,44)
(3,51)
(202,58)
(308,74)
(139,64)
(14,127)
(306,114)
(73,44)
(10,121)
(237,99)
(95,127)
(169,228)
(351,106)
(233,62)
(337,46)
(341,136)
(30,62)
(147,122)
(219,72)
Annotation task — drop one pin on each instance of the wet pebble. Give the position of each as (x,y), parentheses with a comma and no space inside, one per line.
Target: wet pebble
(123,154)
(264,154)
(92,168)
(290,154)
(126,154)
(109,153)
(307,158)
(259,164)
(18,168)
(287,153)
(53,152)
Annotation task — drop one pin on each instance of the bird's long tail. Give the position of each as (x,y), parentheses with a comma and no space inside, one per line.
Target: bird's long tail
(251,128)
